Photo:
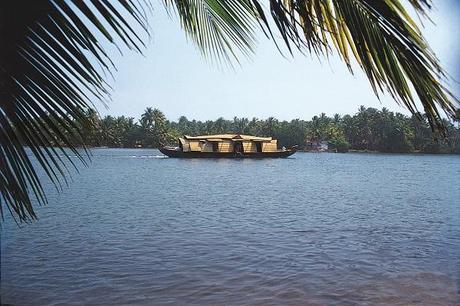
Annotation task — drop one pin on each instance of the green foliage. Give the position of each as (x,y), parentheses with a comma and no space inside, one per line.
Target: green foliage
(339,145)
(154,128)
(381,36)
(52,67)
(369,129)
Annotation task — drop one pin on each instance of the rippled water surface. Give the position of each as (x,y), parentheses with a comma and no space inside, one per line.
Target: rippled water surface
(315,229)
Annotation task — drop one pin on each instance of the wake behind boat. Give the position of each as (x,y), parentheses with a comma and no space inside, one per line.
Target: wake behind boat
(227,146)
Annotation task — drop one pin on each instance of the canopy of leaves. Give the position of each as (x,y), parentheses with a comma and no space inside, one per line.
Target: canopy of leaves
(381,36)
(48,77)
(369,129)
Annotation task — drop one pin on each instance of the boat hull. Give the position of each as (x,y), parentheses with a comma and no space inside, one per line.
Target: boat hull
(179,154)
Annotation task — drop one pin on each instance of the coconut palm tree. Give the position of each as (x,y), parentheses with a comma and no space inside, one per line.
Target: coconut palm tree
(53,64)
(160,128)
(147,120)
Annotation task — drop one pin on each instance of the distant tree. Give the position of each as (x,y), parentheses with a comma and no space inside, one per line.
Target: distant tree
(154,127)
(91,129)
(255,127)
(269,126)
(160,130)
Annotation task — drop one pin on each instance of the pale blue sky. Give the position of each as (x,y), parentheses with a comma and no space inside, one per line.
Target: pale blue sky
(174,77)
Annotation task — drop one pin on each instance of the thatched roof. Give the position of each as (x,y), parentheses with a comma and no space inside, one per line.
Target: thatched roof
(228,137)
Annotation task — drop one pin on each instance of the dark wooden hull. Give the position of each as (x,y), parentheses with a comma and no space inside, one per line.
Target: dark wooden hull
(180,154)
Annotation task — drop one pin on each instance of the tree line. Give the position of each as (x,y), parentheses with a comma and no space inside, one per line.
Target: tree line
(369,129)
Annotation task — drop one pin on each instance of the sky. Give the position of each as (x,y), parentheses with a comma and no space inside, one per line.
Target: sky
(173,76)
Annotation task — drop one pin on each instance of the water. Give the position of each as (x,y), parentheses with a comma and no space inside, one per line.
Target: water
(315,229)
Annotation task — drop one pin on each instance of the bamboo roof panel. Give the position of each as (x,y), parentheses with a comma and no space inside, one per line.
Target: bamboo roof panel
(221,137)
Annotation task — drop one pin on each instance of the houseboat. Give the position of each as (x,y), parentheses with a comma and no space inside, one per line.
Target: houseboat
(227,146)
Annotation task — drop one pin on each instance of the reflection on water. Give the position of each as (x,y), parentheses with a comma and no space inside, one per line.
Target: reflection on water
(316,229)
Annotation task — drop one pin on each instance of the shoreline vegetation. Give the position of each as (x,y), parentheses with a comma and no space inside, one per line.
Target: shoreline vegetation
(307,151)
(369,130)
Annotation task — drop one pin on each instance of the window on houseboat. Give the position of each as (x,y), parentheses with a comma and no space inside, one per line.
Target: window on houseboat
(215,146)
(259,146)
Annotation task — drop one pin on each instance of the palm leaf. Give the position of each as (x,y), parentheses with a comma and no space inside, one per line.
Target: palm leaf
(218,27)
(380,35)
(49,75)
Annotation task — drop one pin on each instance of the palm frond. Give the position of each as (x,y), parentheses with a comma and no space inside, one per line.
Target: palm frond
(384,40)
(218,27)
(380,35)
(49,76)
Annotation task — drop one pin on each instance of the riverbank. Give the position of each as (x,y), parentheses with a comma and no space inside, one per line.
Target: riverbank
(377,152)
(315,151)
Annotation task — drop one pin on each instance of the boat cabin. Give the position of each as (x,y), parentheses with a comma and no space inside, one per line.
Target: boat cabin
(228,143)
